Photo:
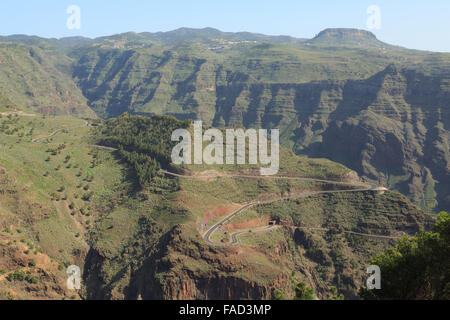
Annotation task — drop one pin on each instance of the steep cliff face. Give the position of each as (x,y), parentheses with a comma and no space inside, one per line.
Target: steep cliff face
(399,136)
(190,269)
(33,79)
(347,37)
(181,268)
(179,264)
(195,79)
(392,127)
(346,103)
(380,109)
(388,122)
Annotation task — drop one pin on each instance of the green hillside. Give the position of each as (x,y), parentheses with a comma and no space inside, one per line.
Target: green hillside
(86,176)
(39,81)
(342,82)
(70,202)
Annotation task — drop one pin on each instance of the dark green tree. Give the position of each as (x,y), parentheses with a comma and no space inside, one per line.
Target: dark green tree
(417,268)
(302,292)
(278,295)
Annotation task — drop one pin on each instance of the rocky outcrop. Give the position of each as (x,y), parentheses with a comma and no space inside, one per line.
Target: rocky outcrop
(179,264)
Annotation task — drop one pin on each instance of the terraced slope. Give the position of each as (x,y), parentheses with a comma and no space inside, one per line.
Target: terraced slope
(38,80)
(70,202)
(377,109)
(386,106)
(344,88)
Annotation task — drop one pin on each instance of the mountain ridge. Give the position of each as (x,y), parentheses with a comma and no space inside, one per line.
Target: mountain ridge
(347,36)
(345,79)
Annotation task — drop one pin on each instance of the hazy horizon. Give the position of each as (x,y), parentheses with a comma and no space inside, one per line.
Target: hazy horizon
(272,35)
(410,24)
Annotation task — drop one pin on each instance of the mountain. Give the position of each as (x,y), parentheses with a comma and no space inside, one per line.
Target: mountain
(88,196)
(306,90)
(209,36)
(391,127)
(347,37)
(38,80)
(342,90)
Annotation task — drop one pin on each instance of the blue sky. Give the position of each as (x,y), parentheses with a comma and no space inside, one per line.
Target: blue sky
(414,24)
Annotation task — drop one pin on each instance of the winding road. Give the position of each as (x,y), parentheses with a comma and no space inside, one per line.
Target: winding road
(356,233)
(359,187)
(87,124)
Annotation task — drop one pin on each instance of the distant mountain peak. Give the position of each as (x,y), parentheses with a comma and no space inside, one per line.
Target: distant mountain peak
(346,32)
(347,36)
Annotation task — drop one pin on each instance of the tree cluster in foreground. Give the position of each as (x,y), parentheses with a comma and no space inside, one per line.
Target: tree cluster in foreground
(143,142)
(417,268)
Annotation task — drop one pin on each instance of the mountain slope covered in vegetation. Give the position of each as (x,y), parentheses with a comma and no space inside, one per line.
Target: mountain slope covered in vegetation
(71,201)
(92,192)
(386,106)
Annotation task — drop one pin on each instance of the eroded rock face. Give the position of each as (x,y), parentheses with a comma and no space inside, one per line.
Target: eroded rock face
(391,127)
(179,264)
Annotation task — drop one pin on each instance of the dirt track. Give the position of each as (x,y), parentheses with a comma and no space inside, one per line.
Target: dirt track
(234,237)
